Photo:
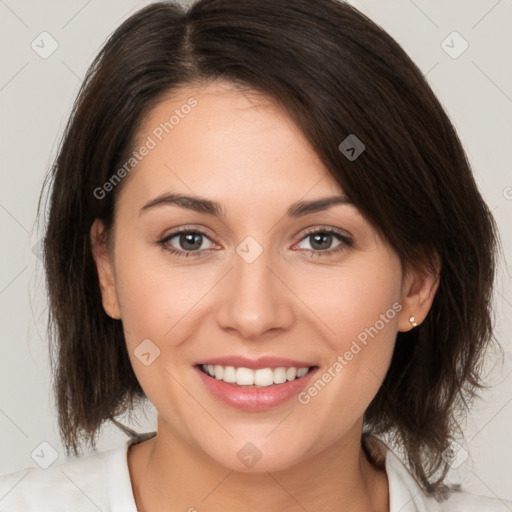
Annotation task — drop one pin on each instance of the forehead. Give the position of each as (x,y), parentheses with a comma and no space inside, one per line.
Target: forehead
(216,141)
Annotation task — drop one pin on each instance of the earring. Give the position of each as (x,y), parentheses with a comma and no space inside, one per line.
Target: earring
(411,319)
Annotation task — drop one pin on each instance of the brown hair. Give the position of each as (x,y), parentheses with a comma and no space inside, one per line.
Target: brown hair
(335,72)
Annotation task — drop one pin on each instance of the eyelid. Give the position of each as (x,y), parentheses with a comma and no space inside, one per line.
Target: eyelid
(323,228)
(195,228)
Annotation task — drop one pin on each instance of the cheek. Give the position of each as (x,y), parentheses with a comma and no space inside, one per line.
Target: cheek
(360,297)
(155,298)
(361,311)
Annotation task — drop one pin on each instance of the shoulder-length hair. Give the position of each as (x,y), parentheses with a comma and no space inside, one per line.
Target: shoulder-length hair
(336,73)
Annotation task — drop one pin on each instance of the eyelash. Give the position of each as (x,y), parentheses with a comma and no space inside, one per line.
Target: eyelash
(345,243)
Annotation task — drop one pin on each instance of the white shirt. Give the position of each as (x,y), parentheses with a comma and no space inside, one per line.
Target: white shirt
(101,482)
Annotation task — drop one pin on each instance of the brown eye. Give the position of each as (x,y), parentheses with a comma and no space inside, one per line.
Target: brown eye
(185,243)
(322,240)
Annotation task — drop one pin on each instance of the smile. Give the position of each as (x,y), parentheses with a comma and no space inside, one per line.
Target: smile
(262,377)
(257,389)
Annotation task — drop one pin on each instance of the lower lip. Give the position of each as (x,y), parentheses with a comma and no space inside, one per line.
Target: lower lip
(252,398)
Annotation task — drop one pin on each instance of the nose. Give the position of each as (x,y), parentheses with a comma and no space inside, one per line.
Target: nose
(255,299)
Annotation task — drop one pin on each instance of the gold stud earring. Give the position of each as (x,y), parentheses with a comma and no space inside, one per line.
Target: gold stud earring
(411,319)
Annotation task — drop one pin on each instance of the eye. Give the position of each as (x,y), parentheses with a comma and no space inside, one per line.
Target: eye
(185,243)
(320,241)
(191,243)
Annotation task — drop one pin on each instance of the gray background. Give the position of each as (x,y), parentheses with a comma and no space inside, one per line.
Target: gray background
(36,95)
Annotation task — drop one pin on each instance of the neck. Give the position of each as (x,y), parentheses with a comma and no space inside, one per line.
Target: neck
(169,474)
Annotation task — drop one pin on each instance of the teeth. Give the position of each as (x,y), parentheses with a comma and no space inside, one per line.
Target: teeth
(219,372)
(229,374)
(291,373)
(301,372)
(244,376)
(262,377)
(279,375)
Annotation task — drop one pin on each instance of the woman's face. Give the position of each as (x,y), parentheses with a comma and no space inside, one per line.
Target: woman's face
(250,285)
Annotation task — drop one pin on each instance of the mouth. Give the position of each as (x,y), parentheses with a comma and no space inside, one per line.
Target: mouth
(270,382)
(255,378)
(254,383)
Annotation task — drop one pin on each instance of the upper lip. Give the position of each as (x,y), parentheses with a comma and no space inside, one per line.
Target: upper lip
(254,363)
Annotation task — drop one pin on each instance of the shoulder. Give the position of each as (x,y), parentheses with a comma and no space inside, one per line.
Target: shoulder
(467,502)
(88,483)
(407,495)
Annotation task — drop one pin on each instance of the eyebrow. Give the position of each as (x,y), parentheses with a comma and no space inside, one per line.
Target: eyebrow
(202,205)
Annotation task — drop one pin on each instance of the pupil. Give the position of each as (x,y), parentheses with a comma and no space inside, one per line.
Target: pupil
(187,241)
(318,237)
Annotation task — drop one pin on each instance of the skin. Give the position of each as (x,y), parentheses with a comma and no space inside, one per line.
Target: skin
(295,300)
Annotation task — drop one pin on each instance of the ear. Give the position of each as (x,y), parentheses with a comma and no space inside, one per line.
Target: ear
(105,268)
(418,292)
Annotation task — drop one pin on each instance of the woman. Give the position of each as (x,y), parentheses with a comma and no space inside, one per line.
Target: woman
(262,221)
